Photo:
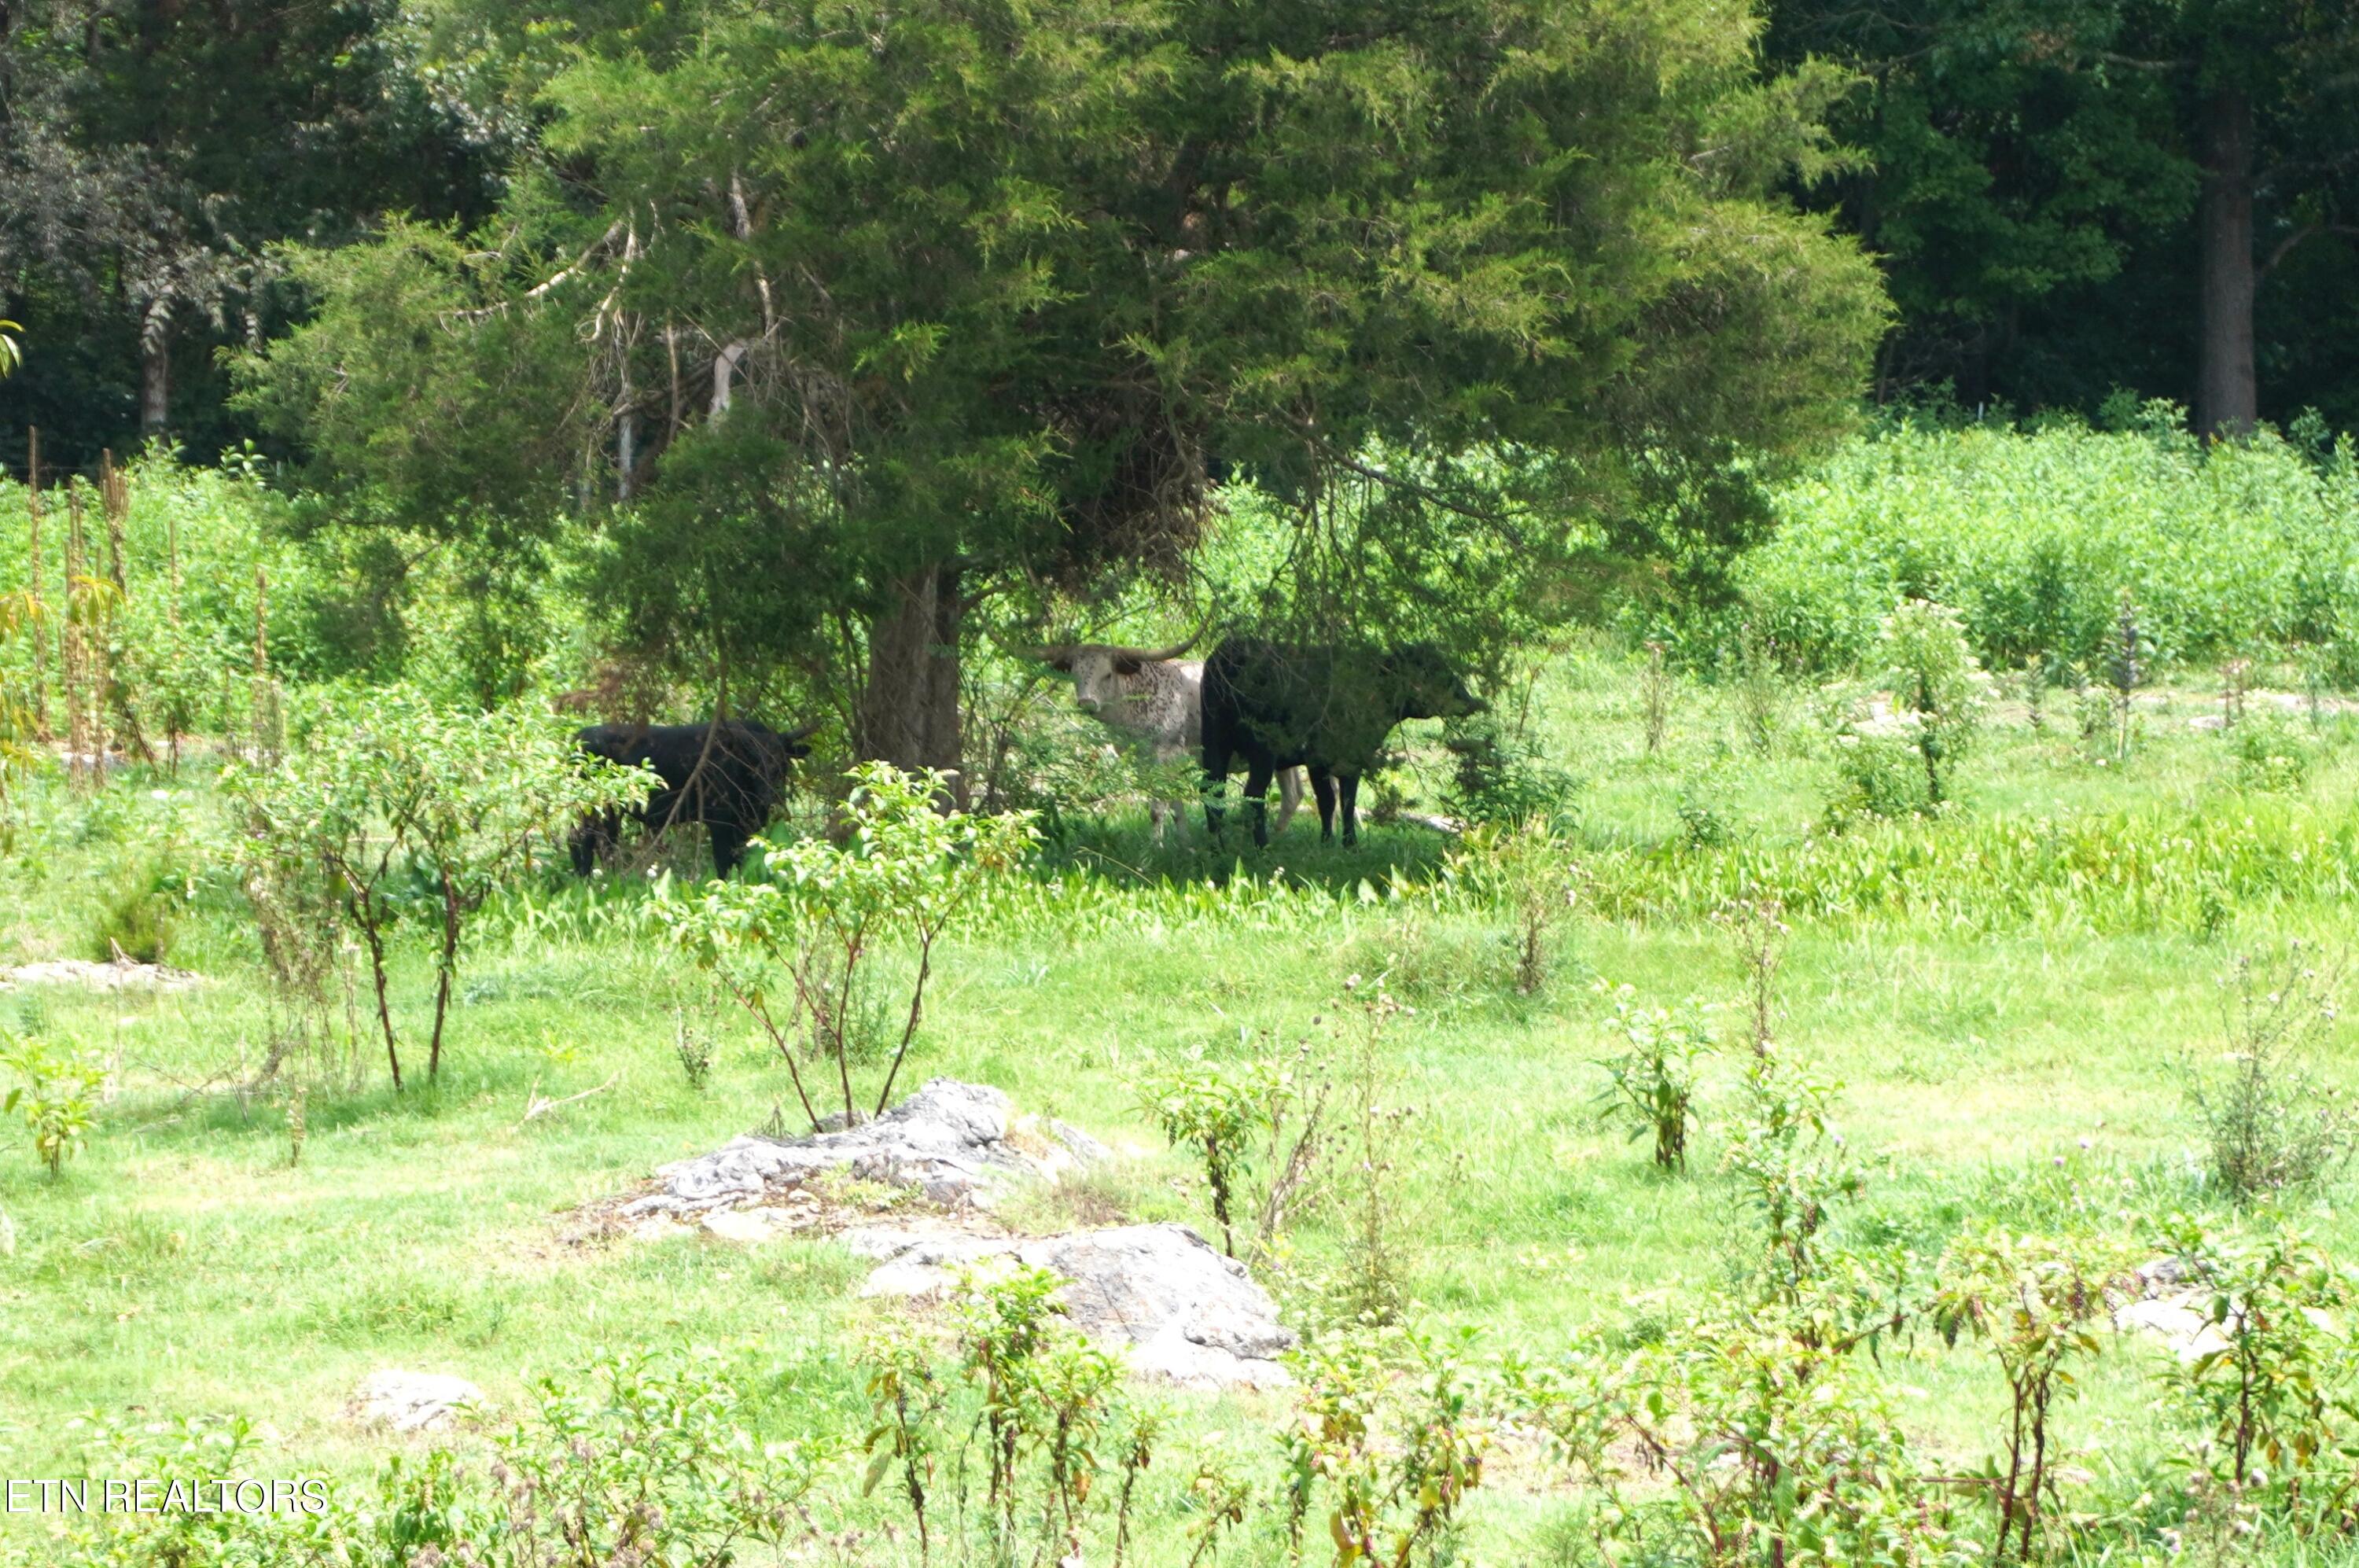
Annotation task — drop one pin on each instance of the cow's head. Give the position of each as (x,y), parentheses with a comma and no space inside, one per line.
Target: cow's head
(1102,672)
(1428,685)
(781,751)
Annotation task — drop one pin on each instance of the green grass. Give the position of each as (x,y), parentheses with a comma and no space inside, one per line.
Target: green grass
(181,1266)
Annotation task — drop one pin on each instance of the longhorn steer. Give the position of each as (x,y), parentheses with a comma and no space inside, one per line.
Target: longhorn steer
(1326,709)
(1155,699)
(730,776)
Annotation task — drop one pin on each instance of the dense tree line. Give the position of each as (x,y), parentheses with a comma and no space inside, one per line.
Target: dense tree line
(820,333)
(2075,196)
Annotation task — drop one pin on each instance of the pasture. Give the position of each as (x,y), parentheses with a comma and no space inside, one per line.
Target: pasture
(2009,993)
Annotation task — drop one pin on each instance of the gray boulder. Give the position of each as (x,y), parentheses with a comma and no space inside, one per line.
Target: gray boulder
(949,1141)
(1182,1310)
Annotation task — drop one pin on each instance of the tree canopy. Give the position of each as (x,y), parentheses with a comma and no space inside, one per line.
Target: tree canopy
(859,315)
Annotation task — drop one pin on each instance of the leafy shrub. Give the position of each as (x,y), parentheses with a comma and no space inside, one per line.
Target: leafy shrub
(1790,1163)
(56,1095)
(1499,776)
(1876,775)
(2273,1388)
(1529,867)
(1391,1432)
(2267,1122)
(1261,1111)
(651,1463)
(904,873)
(2230,548)
(397,803)
(1653,1084)
(2038,1304)
(1775,1448)
(2269,755)
(136,915)
(1936,685)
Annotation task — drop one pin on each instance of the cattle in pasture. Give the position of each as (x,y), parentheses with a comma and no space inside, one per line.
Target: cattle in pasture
(1153,699)
(730,776)
(1328,710)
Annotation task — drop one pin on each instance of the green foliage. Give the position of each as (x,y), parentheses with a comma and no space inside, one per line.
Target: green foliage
(655,1460)
(1653,1084)
(1776,1448)
(2033,536)
(12,352)
(2136,869)
(903,874)
(1045,1390)
(2270,754)
(1936,685)
(2269,1124)
(396,806)
(1790,1164)
(1220,1112)
(56,1096)
(137,917)
(2272,1379)
(1500,273)
(1527,865)
(2037,1303)
(1391,1432)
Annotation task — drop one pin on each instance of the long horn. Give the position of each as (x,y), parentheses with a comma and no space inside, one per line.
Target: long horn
(805,733)
(1156,655)
(1045,654)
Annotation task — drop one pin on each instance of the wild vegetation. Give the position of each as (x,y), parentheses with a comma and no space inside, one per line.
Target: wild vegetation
(1828,1049)
(1703,1113)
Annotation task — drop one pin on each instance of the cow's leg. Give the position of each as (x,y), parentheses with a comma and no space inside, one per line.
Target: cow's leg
(1322,785)
(1216,787)
(1290,796)
(1350,783)
(728,846)
(1157,814)
(1257,800)
(593,840)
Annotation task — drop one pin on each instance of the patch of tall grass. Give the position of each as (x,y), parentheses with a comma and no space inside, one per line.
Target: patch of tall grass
(2032,536)
(2142,869)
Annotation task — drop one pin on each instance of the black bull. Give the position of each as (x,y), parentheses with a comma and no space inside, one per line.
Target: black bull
(1326,710)
(729,775)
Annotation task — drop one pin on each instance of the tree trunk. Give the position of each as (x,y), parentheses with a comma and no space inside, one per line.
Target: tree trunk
(2227,399)
(909,708)
(154,376)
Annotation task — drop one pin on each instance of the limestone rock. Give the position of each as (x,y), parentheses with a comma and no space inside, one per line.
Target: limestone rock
(411,1402)
(121,974)
(1184,1312)
(949,1140)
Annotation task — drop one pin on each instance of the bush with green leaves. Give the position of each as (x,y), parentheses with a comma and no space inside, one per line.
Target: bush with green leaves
(1392,1429)
(2039,1304)
(828,916)
(2270,754)
(1772,1447)
(1653,1084)
(2228,549)
(2268,1122)
(1525,865)
(394,808)
(1938,689)
(2271,1380)
(1792,1165)
(651,1459)
(1047,1408)
(56,1095)
(1236,1116)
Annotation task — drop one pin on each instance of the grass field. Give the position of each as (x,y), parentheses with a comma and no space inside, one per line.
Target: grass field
(2005,1060)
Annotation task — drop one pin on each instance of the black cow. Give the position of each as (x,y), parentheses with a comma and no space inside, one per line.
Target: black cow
(1328,710)
(730,777)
